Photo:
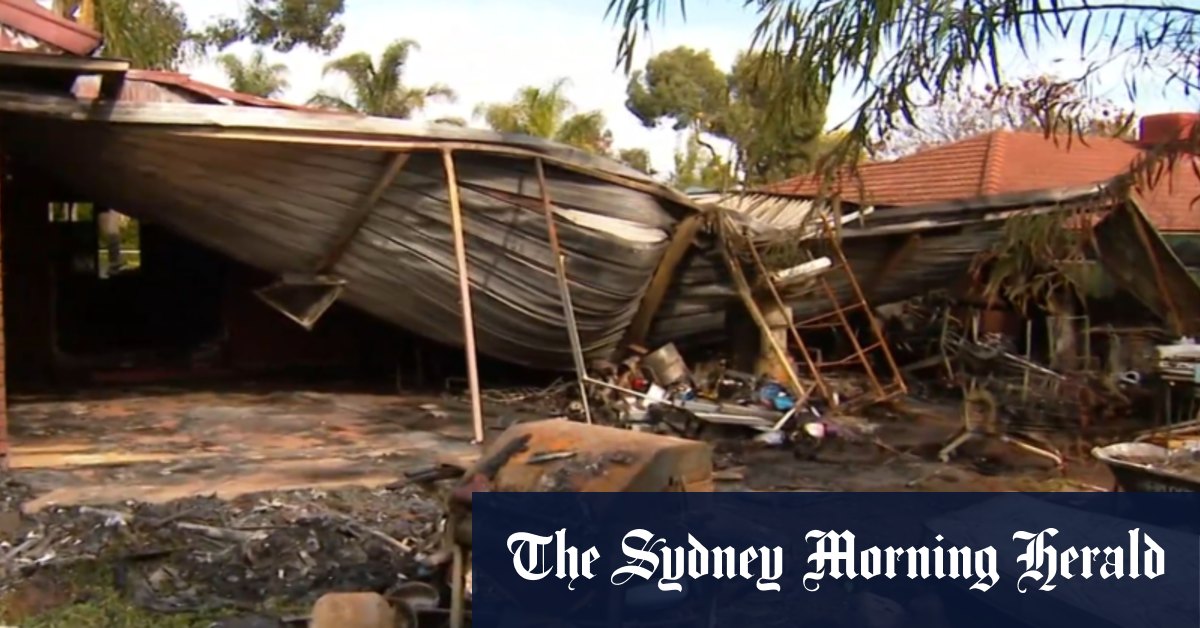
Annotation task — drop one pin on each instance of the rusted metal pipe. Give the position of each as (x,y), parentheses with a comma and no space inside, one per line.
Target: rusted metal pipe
(564,289)
(464,286)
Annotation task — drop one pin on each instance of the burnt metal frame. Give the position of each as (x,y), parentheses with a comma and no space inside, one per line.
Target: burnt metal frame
(564,288)
(464,286)
(353,225)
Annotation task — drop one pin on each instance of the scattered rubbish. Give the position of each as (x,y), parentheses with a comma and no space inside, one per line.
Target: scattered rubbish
(203,553)
(775,397)
(1145,467)
(10,524)
(773,438)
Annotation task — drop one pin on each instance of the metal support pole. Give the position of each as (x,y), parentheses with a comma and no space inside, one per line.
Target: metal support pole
(564,289)
(464,286)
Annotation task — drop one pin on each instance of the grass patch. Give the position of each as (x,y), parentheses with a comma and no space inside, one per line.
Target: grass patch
(84,597)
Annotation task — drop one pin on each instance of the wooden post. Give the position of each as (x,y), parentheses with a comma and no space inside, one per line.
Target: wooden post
(779,319)
(764,327)
(564,289)
(464,286)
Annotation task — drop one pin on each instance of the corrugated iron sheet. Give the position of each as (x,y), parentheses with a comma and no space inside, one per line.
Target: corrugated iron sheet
(277,194)
(174,87)
(768,210)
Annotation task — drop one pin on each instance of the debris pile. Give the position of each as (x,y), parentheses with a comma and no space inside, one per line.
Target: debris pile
(273,551)
(658,392)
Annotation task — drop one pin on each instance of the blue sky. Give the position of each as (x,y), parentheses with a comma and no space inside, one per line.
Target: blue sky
(487,49)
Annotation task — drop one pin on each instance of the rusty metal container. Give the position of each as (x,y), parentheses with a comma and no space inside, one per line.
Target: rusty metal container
(567,456)
(665,365)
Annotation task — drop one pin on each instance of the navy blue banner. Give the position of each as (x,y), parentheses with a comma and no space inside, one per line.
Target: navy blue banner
(832,560)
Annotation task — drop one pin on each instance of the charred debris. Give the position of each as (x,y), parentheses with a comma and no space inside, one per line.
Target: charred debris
(1043,322)
(1046,321)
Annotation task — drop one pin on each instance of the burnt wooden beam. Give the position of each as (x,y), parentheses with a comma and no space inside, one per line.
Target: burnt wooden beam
(355,221)
(677,248)
(111,84)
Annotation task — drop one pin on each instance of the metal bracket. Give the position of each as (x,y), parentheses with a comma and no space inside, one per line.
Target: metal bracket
(302,298)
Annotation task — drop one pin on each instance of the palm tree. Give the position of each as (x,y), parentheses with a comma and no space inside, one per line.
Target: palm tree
(546,112)
(378,89)
(254,76)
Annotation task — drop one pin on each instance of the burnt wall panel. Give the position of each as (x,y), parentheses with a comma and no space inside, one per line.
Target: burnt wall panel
(26,255)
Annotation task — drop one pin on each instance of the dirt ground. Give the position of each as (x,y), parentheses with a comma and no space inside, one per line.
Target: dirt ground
(160,444)
(156,445)
(178,507)
(901,456)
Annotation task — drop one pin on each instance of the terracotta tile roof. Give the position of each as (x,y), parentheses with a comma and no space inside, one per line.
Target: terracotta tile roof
(1010,161)
(52,32)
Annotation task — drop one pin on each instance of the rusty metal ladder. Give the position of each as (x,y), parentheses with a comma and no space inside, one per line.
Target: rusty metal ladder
(884,386)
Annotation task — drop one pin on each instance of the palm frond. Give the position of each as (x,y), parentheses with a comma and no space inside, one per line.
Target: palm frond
(326,100)
(441,91)
(357,68)
(395,56)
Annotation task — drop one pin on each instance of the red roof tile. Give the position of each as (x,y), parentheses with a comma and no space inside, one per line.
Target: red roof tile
(1009,161)
(32,19)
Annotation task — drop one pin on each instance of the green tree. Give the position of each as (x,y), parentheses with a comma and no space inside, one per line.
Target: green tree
(683,86)
(255,75)
(636,158)
(151,34)
(546,112)
(377,88)
(281,24)
(699,166)
(903,55)
(772,144)
(154,34)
